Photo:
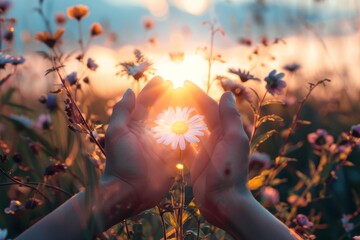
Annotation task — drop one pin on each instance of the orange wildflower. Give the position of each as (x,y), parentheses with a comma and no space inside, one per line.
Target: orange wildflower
(78,12)
(48,39)
(95,29)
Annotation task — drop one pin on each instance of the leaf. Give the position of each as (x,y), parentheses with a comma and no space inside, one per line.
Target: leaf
(56,91)
(258,181)
(260,139)
(303,122)
(19,106)
(8,95)
(278,181)
(272,117)
(280,160)
(272,101)
(303,177)
(44,55)
(47,147)
(50,70)
(194,231)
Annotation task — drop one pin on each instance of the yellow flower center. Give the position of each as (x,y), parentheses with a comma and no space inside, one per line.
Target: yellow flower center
(179,127)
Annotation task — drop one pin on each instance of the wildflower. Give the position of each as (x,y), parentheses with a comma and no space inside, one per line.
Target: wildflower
(17,157)
(243,75)
(148,23)
(320,138)
(95,30)
(176,56)
(48,39)
(51,103)
(32,203)
(355,131)
(91,64)
(4,6)
(15,206)
(292,67)
(274,84)
(23,120)
(43,122)
(345,220)
(54,169)
(303,221)
(71,78)
(136,71)
(60,18)
(356,238)
(138,68)
(236,88)
(3,233)
(259,161)
(270,195)
(78,12)
(16,60)
(245,41)
(4,59)
(9,35)
(175,126)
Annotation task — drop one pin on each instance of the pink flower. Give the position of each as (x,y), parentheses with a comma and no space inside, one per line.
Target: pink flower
(303,221)
(270,194)
(320,138)
(43,122)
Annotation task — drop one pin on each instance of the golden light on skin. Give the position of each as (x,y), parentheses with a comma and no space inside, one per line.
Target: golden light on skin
(180,166)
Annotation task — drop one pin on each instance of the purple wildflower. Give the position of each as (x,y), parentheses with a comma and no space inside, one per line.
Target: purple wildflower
(345,220)
(274,83)
(292,67)
(259,161)
(16,60)
(71,78)
(303,221)
(355,131)
(4,6)
(15,206)
(320,138)
(51,103)
(91,64)
(244,76)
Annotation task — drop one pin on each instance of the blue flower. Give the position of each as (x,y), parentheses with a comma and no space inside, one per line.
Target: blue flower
(274,83)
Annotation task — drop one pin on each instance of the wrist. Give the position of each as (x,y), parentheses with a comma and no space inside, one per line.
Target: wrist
(114,201)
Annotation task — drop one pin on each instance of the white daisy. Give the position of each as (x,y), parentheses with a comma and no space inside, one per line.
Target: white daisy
(175,125)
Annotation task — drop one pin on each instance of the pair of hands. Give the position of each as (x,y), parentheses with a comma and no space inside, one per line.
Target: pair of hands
(147,169)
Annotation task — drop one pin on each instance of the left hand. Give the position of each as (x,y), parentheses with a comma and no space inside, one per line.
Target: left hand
(136,164)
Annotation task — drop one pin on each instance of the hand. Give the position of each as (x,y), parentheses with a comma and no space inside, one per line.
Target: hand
(220,168)
(135,162)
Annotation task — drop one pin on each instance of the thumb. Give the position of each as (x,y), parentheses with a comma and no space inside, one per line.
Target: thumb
(230,119)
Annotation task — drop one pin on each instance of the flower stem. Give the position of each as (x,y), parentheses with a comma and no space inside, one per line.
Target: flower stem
(182,199)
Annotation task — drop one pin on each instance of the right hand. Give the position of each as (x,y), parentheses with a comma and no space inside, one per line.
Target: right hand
(220,169)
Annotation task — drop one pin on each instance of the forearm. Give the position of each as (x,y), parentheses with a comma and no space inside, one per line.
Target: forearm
(85,213)
(246,219)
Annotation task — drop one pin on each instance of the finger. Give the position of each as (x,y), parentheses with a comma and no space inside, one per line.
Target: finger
(122,110)
(148,96)
(203,157)
(230,118)
(205,104)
